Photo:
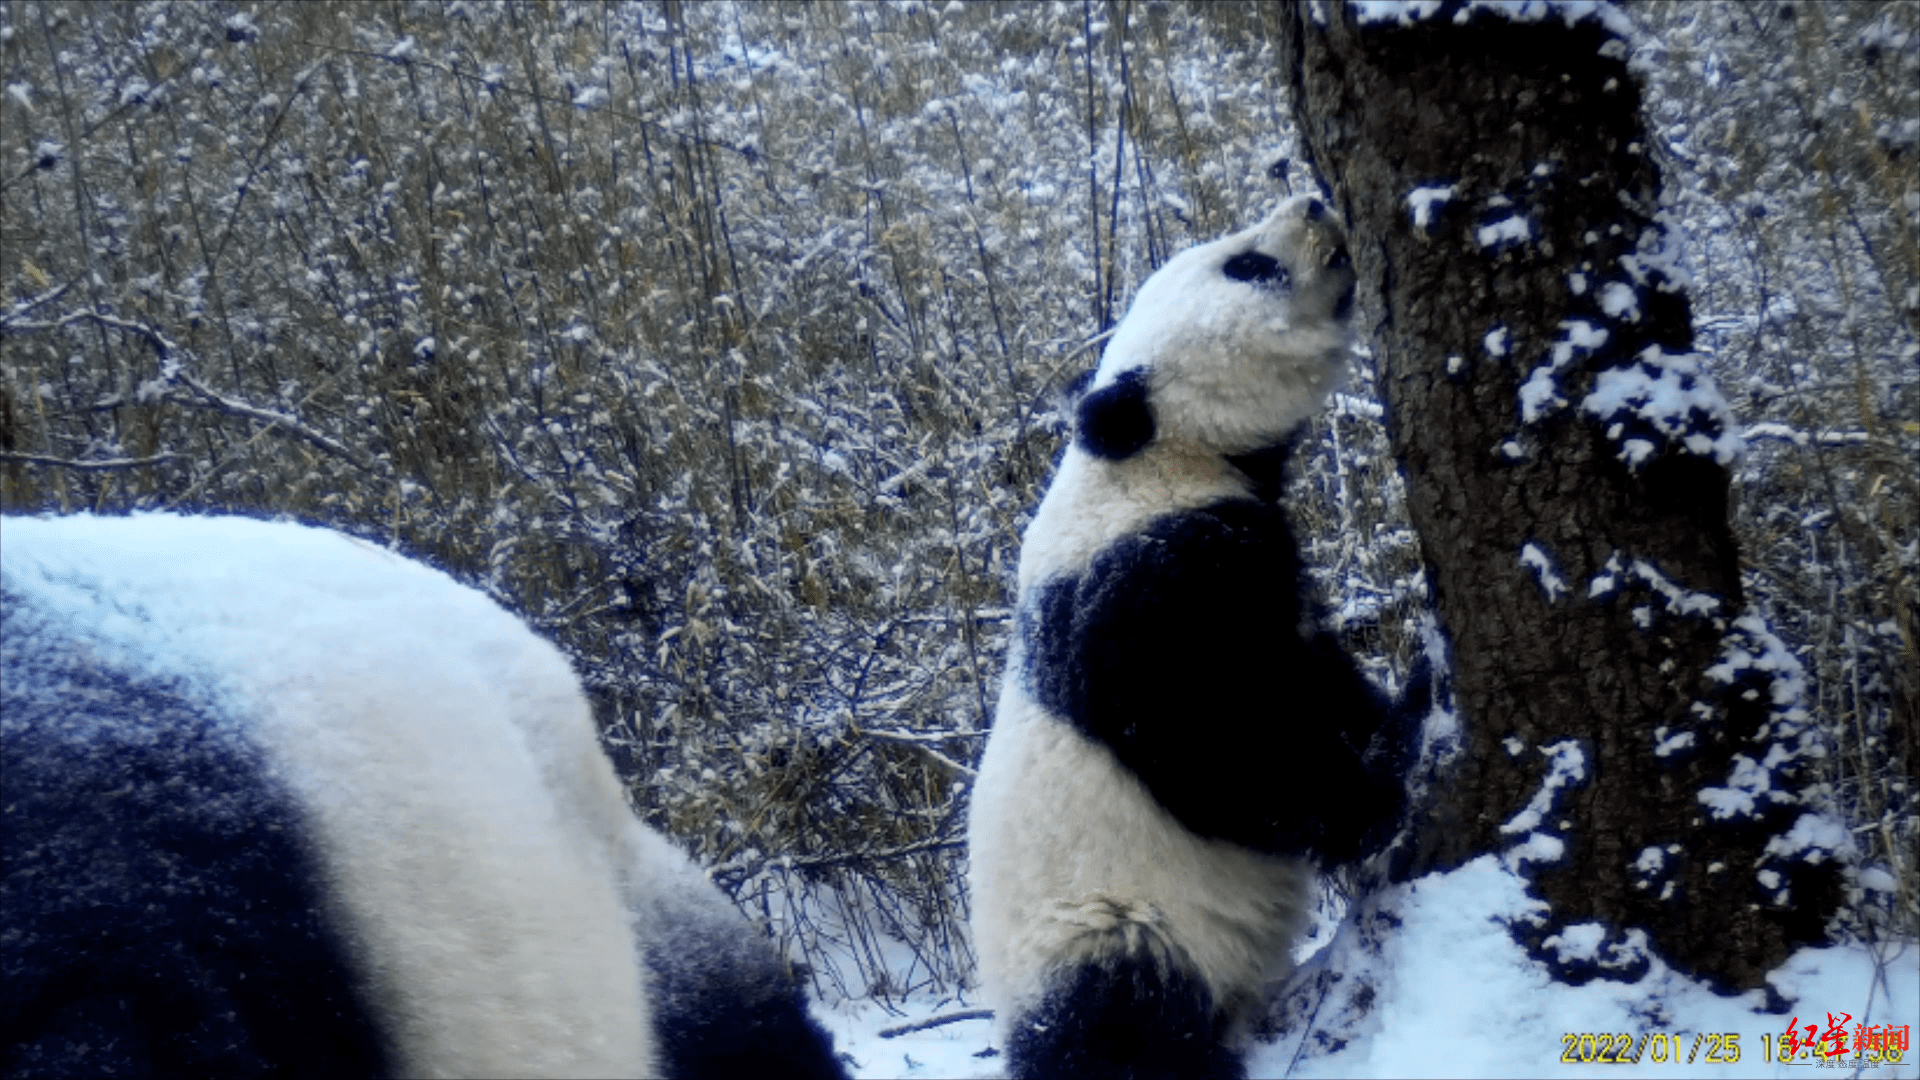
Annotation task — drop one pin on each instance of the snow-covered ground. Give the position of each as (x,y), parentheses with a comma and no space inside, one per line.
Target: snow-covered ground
(950,1050)
(1452,995)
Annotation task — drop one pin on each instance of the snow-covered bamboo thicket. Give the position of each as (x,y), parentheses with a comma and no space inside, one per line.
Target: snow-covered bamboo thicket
(724,342)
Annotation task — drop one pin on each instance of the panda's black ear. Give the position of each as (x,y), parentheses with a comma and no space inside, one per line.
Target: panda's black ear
(1115,421)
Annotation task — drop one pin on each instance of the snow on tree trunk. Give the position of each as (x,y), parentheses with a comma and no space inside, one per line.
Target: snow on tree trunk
(1632,741)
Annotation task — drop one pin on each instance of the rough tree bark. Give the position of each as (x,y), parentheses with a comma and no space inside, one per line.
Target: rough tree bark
(1630,740)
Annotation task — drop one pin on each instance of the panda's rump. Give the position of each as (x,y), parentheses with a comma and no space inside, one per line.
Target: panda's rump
(1132,1006)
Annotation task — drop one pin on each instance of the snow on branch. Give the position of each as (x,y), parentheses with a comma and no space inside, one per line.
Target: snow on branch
(177,384)
(1784,433)
(24,307)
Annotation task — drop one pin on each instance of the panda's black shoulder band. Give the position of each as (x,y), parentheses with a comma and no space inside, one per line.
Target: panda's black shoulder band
(1115,421)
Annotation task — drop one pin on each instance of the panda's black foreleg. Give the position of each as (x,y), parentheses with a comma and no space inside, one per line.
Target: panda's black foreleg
(1129,1016)
(1378,741)
(1358,708)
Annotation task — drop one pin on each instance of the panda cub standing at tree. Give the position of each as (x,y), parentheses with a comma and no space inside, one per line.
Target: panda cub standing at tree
(1176,745)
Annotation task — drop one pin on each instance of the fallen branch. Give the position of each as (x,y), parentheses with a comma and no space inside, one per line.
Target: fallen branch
(937,1021)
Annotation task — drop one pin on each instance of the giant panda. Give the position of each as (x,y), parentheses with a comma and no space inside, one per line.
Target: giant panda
(1176,744)
(280,802)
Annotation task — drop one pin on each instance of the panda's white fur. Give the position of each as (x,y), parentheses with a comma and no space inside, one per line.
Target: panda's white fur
(494,895)
(1102,863)
(1075,866)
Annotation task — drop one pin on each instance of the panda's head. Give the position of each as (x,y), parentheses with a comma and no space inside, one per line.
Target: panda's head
(1230,346)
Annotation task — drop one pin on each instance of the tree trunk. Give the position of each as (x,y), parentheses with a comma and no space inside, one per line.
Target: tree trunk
(1629,741)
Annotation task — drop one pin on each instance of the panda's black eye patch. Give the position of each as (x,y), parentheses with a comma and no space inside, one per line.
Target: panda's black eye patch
(1253,266)
(1338,259)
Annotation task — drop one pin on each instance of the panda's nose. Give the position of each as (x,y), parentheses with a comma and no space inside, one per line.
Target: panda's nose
(1314,210)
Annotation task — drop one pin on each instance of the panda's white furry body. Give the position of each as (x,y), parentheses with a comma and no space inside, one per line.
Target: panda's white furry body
(1074,885)
(1175,745)
(279,800)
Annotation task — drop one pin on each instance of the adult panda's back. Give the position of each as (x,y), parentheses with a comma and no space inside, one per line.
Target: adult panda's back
(293,803)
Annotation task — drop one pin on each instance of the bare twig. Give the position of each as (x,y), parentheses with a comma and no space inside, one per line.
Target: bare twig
(915,848)
(923,743)
(29,304)
(97,465)
(921,737)
(176,384)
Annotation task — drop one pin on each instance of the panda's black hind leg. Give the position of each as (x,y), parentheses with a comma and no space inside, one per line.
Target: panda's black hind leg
(725,1012)
(1128,1017)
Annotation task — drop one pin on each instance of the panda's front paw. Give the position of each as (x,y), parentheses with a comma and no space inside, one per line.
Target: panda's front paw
(1416,696)
(1395,746)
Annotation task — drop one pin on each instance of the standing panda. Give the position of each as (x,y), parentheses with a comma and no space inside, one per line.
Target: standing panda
(280,802)
(1176,745)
